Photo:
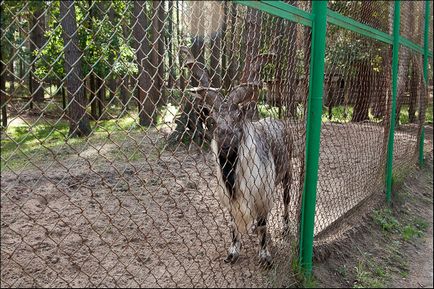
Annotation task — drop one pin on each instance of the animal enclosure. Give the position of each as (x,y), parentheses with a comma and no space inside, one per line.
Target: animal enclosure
(108,175)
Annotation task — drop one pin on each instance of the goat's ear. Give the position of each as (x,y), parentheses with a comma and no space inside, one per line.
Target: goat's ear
(245,93)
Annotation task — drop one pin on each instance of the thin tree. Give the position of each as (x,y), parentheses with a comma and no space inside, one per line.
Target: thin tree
(36,43)
(147,93)
(414,88)
(157,52)
(230,44)
(169,41)
(198,29)
(215,45)
(91,81)
(407,24)
(78,119)
(363,77)
(3,96)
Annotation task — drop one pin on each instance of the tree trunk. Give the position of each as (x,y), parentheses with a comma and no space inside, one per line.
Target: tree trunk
(92,96)
(124,94)
(291,50)
(363,84)
(12,75)
(170,40)
(253,25)
(363,81)
(111,85)
(179,35)
(147,94)
(3,96)
(63,97)
(36,42)
(215,44)
(414,90)
(197,23)
(78,119)
(100,95)
(231,73)
(306,60)
(404,59)
(92,90)
(158,49)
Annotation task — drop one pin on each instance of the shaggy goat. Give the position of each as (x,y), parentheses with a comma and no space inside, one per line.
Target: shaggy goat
(253,157)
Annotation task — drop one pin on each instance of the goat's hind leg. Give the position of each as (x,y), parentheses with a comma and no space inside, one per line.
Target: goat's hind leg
(234,249)
(264,255)
(286,198)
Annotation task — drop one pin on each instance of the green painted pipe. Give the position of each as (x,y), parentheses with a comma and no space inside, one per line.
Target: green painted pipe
(313,130)
(425,73)
(395,58)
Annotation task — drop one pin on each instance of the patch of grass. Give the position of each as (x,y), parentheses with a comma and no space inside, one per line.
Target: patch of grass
(409,232)
(415,229)
(343,271)
(342,114)
(366,279)
(405,119)
(304,280)
(25,142)
(385,219)
(399,175)
(266,110)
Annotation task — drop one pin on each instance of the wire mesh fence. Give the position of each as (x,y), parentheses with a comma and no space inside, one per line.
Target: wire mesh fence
(150,143)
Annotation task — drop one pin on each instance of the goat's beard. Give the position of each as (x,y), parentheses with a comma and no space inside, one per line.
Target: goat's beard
(228,162)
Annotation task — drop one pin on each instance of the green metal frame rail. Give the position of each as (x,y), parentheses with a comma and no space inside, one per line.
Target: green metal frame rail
(395,58)
(313,133)
(317,20)
(425,72)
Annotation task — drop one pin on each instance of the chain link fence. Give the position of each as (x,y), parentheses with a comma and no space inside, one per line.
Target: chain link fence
(139,138)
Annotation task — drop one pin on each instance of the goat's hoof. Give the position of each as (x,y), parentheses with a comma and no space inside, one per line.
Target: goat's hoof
(231,258)
(285,231)
(265,260)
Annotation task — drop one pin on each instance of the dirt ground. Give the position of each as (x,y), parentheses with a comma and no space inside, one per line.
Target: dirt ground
(93,216)
(372,257)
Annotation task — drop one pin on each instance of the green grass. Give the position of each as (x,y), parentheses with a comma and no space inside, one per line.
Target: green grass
(340,113)
(385,219)
(405,119)
(416,229)
(343,114)
(39,141)
(369,278)
(409,229)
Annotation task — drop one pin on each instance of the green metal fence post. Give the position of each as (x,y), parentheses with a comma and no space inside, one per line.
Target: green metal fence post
(313,129)
(395,58)
(425,73)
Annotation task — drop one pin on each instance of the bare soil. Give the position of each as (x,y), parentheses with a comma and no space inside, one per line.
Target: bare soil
(95,216)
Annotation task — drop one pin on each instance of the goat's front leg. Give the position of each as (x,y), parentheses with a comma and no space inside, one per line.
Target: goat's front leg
(264,254)
(234,249)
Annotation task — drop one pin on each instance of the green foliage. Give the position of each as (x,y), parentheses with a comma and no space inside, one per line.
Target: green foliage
(385,219)
(414,229)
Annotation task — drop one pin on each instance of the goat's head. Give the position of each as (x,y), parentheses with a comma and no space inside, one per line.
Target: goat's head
(227,113)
